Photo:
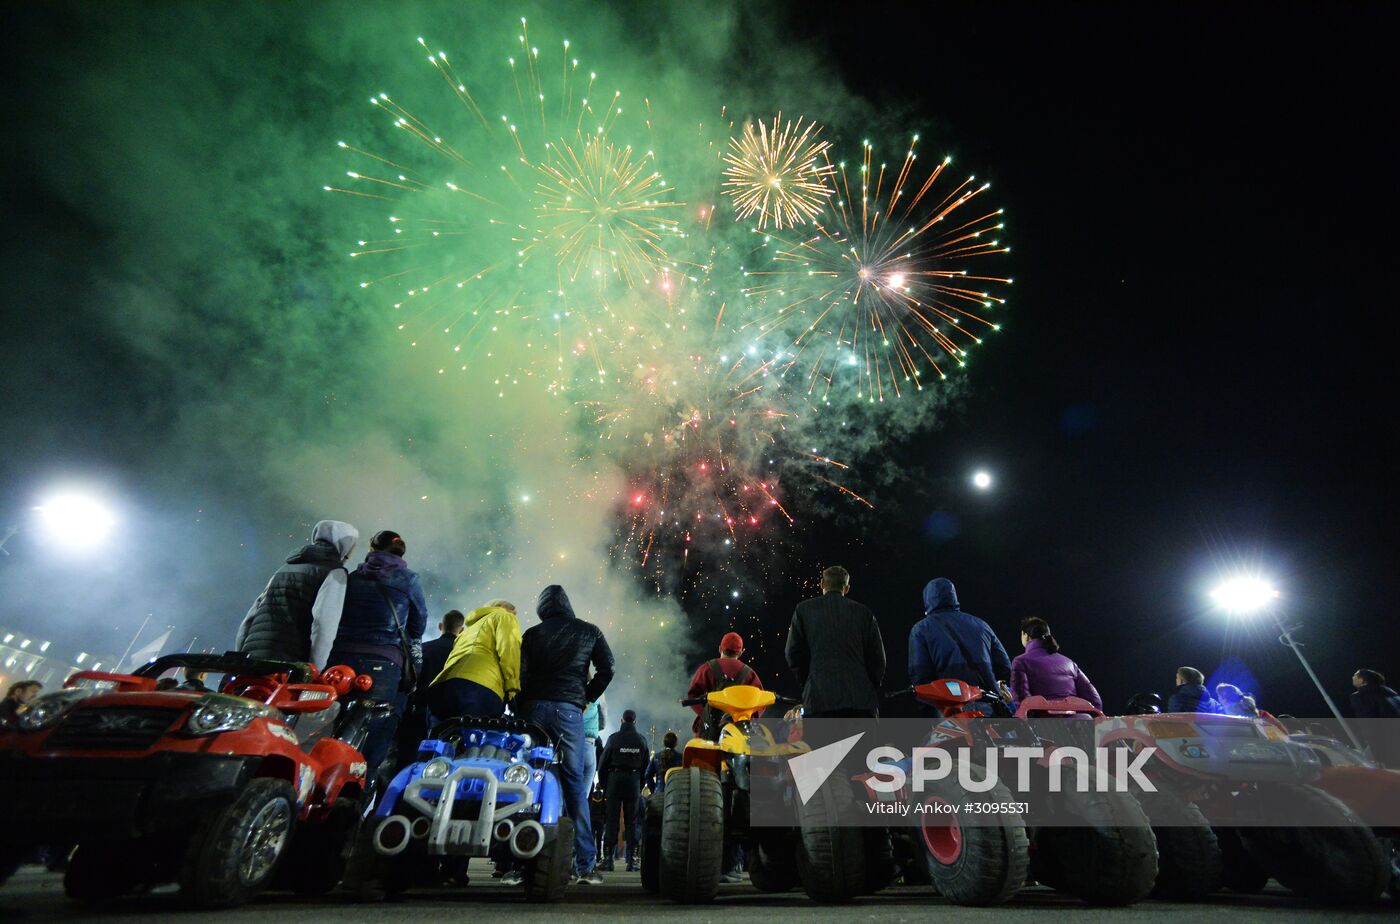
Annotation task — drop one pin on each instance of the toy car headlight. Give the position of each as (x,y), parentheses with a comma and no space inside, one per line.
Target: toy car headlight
(437,769)
(517,773)
(47,710)
(217,713)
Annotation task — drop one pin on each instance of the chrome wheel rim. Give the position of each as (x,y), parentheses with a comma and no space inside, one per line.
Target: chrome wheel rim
(267,835)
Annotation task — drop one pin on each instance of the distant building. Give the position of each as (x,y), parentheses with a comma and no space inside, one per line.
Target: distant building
(24,656)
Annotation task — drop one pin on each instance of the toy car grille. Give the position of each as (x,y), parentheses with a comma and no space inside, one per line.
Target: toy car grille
(134,729)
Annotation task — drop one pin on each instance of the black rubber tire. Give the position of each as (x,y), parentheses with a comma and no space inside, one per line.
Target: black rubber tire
(1190,865)
(830,847)
(319,854)
(995,858)
(211,875)
(692,836)
(1108,858)
(365,869)
(880,869)
(1239,871)
(773,865)
(547,875)
(99,871)
(1331,856)
(651,842)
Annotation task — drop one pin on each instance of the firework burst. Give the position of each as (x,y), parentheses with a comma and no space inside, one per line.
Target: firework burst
(778,173)
(880,295)
(491,223)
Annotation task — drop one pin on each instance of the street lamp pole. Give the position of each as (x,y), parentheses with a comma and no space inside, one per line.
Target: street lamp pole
(1287,640)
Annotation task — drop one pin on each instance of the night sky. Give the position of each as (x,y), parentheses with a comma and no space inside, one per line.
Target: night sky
(1195,377)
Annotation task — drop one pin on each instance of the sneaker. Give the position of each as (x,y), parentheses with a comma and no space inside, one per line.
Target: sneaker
(513,878)
(605,867)
(731,877)
(590,878)
(631,866)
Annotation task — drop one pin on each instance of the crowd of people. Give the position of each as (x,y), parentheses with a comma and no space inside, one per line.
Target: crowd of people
(373,618)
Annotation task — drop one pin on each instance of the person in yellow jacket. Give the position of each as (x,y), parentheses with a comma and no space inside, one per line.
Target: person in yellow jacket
(483,671)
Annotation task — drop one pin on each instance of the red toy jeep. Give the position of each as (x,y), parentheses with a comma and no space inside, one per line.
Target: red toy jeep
(210,789)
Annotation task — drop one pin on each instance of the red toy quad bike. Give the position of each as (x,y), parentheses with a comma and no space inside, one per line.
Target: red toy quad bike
(1095,845)
(1224,784)
(213,790)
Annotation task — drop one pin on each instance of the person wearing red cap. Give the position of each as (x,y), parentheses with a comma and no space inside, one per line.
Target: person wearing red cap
(721,672)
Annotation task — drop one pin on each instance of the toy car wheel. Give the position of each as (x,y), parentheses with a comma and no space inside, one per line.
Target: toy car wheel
(547,875)
(651,842)
(1190,865)
(1239,871)
(773,868)
(1102,850)
(978,865)
(692,836)
(234,853)
(830,848)
(318,855)
(1329,856)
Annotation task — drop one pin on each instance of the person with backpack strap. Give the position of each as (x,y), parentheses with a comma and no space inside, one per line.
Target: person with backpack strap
(718,673)
(949,644)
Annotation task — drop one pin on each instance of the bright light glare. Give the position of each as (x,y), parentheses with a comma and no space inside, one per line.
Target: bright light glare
(1244,595)
(982,480)
(75,520)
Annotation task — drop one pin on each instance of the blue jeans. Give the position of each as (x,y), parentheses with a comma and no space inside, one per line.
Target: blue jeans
(564,721)
(455,698)
(387,676)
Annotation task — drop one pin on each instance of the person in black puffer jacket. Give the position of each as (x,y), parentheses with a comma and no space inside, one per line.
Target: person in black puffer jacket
(279,625)
(554,690)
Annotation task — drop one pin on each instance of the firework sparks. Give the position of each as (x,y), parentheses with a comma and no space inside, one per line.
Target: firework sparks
(880,294)
(602,205)
(494,222)
(779,173)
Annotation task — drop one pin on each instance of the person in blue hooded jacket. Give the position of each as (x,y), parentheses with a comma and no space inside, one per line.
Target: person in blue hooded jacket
(948,644)
(381,633)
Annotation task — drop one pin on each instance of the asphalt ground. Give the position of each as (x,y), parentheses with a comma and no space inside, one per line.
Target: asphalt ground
(34,895)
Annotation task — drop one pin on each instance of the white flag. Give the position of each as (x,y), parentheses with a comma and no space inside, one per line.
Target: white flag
(146,654)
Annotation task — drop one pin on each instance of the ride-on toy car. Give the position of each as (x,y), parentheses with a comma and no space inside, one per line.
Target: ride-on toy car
(1095,845)
(706,801)
(1242,777)
(213,790)
(480,788)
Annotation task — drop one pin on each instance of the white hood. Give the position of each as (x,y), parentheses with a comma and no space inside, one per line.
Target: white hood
(341,535)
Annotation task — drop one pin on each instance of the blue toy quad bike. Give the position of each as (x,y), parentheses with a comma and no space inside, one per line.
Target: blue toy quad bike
(480,788)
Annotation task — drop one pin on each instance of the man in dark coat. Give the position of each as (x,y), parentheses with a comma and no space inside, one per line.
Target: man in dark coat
(1372,699)
(1191,694)
(835,650)
(417,720)
(554,690)
(279,624)
(948,644)
(624,760)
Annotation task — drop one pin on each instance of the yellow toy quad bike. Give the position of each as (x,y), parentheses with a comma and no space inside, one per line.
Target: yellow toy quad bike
(706,800)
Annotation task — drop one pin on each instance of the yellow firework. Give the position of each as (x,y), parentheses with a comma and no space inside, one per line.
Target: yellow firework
(599,210)
(883,294)
(779,173)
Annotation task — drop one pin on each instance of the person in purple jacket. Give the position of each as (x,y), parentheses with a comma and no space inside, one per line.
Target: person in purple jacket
(1043,671)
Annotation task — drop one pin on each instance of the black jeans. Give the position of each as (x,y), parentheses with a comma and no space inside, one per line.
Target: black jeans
(624,792)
